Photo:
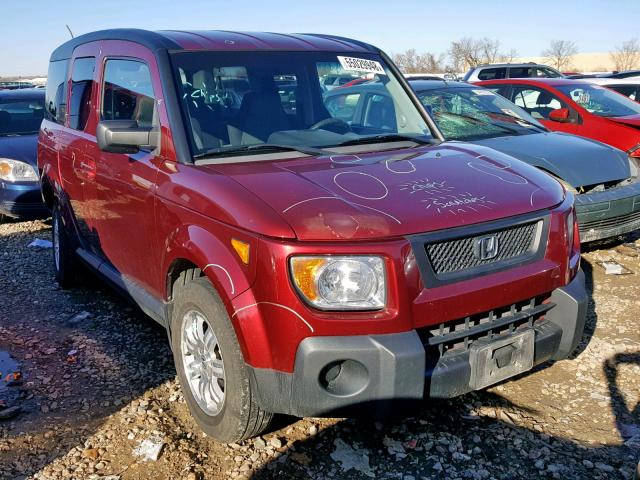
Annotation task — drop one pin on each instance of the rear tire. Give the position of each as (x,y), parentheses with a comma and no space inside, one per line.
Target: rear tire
(64,258)
(210,366)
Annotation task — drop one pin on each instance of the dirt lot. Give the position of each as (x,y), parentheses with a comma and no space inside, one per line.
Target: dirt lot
(98,384)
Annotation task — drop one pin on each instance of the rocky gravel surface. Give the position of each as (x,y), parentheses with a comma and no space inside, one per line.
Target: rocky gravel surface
(97,398)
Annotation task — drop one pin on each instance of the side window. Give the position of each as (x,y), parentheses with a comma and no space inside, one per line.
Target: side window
(545,72)
(56,92)
(81,88)
(379,113)
(538,103)
(520,72)
(627,90)
(329,80)
(287,86)
(128,93)
(492,74)
(343,106)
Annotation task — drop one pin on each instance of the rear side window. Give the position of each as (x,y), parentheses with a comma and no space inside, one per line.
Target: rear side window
(492,74)
(128,92)
(81,88)
(627,90)
(56,92)
(520,72)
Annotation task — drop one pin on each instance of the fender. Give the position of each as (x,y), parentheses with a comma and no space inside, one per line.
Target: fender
(216,258)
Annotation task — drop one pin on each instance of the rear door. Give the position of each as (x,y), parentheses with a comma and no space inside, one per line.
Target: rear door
(126,183)
(76,166)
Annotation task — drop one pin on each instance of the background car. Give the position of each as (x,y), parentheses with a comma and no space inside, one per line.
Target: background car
(329,82)
(578,107)
(626,86)
(21,112)
(625,74)
(605,182)
(496,71)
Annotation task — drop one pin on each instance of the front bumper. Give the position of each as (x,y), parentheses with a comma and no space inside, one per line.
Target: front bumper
(22,200)
(346,374)
(609,213)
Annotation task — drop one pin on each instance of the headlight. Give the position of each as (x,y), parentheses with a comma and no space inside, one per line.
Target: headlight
(634,166)
(341,282)
(17,171)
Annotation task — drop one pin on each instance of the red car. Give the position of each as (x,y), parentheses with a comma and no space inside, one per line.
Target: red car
(577,107)
(300,263)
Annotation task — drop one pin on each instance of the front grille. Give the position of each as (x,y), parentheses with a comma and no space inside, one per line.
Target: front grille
(458,335)
(460,254)
(630,220)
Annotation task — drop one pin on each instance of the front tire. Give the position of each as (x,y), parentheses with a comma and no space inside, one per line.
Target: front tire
(210,366)
(64,258)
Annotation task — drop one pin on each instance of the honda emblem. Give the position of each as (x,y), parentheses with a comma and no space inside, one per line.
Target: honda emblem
(486,247)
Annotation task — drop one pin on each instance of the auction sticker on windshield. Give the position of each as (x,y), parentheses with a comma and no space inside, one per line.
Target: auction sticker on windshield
(361,65)
(483,92)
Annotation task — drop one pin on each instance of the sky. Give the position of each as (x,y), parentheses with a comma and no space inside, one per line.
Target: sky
(30,30)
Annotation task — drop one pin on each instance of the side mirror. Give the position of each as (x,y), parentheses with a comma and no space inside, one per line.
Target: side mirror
(125,136)
(561,115)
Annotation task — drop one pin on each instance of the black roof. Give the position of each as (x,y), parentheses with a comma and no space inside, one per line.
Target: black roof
(180,40)
(151,40)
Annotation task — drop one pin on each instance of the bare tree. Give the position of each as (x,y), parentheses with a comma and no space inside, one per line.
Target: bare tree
(470,52)
(560,53)
(508,57)
(627,55)
(410,61)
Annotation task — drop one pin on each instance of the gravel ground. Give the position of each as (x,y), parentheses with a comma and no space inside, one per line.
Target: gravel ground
(98,398)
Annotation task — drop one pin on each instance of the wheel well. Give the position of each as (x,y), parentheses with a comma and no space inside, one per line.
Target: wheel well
(47,195)
(178,266)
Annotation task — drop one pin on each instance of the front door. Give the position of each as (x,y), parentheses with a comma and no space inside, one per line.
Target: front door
(126,183)
(539,103)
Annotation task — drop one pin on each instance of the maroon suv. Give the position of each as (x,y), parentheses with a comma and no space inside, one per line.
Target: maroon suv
(301,263)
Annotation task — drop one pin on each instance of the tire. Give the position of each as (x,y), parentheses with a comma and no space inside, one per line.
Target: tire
(222,401)
(64,258)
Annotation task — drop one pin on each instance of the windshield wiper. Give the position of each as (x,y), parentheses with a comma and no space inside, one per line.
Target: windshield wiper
(259,148)
(386,137)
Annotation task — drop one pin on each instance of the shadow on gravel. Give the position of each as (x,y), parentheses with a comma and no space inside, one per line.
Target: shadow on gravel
(443,442)
(85,353)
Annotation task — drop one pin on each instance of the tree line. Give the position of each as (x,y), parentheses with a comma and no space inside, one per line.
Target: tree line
(467,53)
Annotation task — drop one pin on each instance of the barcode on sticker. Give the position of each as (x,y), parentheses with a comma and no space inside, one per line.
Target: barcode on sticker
(361,65)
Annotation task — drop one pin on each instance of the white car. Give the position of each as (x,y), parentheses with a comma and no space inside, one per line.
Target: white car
(626,86)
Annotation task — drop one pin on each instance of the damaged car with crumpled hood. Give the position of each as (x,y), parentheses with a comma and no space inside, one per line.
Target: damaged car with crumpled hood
(302,263)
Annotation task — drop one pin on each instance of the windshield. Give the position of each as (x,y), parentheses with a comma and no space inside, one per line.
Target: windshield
(464,113)
(21,116)
(600,100)
(233,100)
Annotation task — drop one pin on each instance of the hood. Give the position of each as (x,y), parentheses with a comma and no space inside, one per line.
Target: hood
(631,120)
(576,160)
(391,194)
(23,148)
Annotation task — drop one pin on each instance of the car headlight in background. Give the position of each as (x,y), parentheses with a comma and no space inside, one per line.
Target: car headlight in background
(340,282)
(17,171)
(634,166)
